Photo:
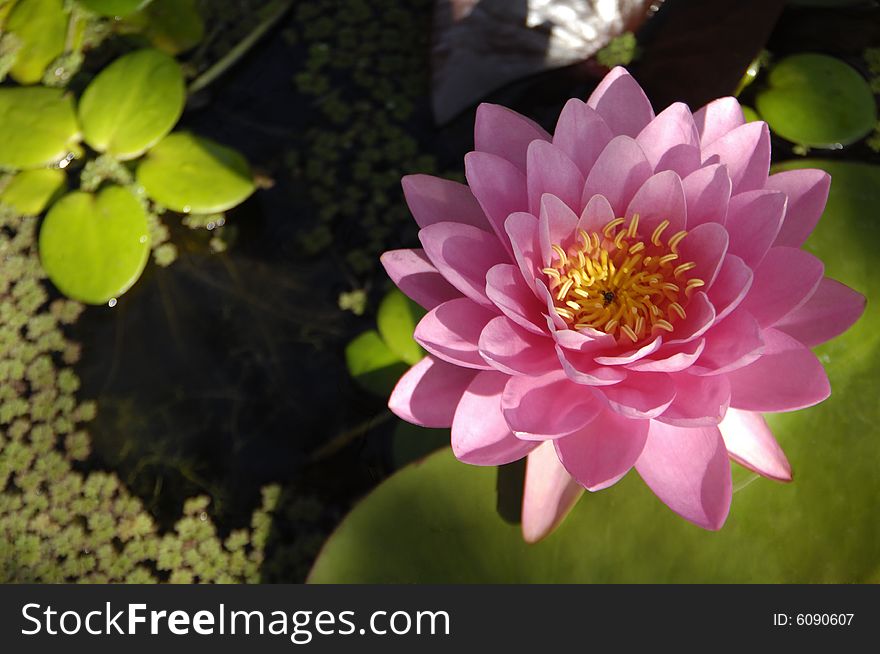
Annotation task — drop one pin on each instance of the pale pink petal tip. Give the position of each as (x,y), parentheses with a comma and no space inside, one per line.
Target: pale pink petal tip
(548,495)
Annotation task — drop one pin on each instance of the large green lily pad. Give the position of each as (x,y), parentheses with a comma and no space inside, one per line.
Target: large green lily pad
(437,521)
(95,246)
(132,104)
(816,100)
(114,7)
(31,190)
(188,173)
(37,127)
(41,26)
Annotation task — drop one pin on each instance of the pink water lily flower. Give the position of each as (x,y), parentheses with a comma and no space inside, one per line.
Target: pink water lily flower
(628,292)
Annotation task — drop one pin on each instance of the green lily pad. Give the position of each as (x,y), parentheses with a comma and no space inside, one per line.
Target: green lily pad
(30,191)
(411,443)
(133,104)
(95,246)
(41,26)
(397,319)
(818,101)
(191,174)
(436,521)
(37,127)
(113,8)
(373,365)
(750,114)
(173,26)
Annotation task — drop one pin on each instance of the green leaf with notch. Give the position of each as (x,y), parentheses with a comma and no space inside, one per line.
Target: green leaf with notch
(37,127)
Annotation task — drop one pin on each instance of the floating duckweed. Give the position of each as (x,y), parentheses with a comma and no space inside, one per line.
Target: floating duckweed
(620,51)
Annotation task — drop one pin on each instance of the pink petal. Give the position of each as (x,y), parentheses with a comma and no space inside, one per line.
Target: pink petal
(503,132)
(522,229)
(480,435)
(549,170)
(582,369)
(557,225)
(699,401)
(417,277)
(706,246)
(549,406)
(807,192)
(581,134)
(732,344)
(618,173)
(452,330)
(596,215)
(621,103)
(746,151)
(750,443)
(631,356)
(507,290)
(429,392)
(463,255)
(499,186)
(601,453)
(700,317)
(641,395)
(787,377)
(707,191)
(674,359)
(673,126)
(718,118)
(435,200)
(554,320)
(660,198)
(786,278)
(689,471)
(516,351)
(731,286)
(830,311)
(753,222)
(584,340)
(682,159)
(548,495)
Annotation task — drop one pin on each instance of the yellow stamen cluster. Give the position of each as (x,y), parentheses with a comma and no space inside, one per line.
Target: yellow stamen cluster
(617,282)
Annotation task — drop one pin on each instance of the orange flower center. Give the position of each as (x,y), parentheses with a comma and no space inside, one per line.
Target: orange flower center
(618,282)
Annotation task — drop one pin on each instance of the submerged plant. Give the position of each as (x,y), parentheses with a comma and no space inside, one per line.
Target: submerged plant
(629,292)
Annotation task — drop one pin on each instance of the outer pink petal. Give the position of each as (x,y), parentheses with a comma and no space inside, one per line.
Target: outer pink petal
(699,401)
(463,255)
(557,225)
(516,351)
(681,159)
(417,277)
(522,228)
(549,406)
(548,495)
(807,192)
(733,344)
(731,286)
(718,118)
(480,435)
(672,127)
(618,173)
(787,377)
(601,453)
(689,471)
(753,221)
(700,317)
(582,369)
(707,191)
(499,186)
(829,312)
(786,278)
(660,198)
(746,151)
(507,290)
(672,359)
(452,330)
(750,443)
(581,134)
(429,392)
(435,200)
(549,170)
(641,395)
(503,132)
(621,103)
(706,246)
